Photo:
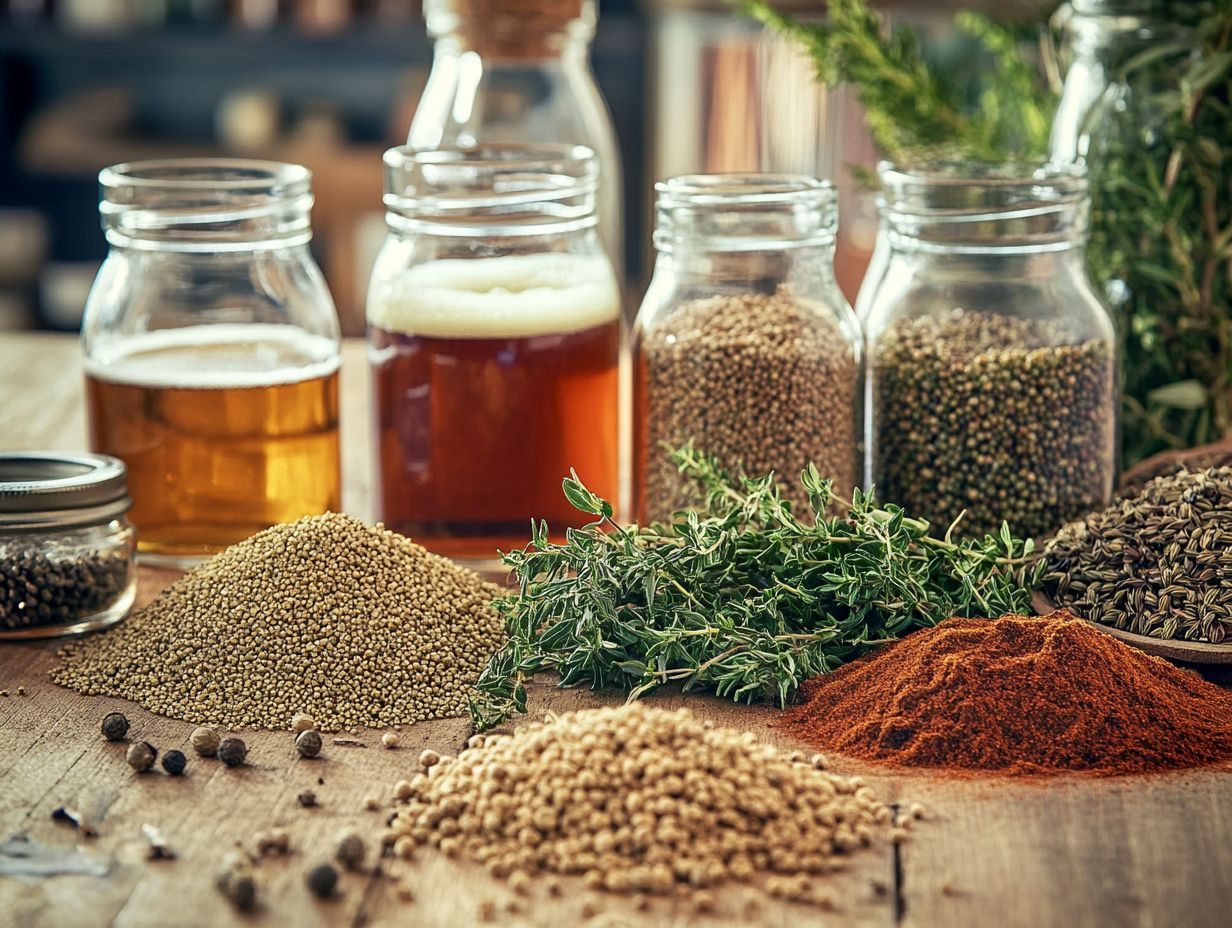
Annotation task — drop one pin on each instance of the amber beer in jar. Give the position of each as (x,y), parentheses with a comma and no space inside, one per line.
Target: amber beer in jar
(219,444)
(212,353)
(494,358)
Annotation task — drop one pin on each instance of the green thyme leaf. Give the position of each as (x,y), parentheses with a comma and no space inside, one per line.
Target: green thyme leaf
(741,597)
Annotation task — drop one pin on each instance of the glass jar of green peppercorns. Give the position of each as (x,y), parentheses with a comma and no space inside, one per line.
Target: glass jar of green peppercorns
(991,376)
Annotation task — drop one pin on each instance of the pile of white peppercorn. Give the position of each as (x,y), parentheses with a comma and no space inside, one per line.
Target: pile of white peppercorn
(639,800)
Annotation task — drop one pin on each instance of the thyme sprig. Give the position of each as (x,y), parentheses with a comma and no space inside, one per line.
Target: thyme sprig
(741,597)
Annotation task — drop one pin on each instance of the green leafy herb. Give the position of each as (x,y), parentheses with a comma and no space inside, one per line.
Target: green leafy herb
(743,597)
(915,110)
(1162,233)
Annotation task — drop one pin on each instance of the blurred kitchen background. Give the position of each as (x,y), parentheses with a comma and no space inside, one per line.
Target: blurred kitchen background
(332,83)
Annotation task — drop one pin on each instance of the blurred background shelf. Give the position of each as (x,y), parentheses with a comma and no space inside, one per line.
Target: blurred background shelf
(692,87)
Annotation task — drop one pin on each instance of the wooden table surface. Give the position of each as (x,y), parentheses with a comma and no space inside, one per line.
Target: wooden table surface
(1153,851)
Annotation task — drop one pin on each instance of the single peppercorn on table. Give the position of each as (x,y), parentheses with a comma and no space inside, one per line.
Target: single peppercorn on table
(1134,851)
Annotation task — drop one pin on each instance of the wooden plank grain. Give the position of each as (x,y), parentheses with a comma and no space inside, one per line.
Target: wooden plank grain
(1142,851)
(42,391)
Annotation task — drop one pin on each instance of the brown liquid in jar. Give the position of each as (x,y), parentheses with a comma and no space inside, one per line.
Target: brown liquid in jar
(475,434)
(223,434)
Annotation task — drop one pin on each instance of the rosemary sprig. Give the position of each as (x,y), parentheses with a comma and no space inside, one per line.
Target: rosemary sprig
(741,597)
(992,107)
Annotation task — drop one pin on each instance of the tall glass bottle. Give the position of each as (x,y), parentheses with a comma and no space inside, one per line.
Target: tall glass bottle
(519,71)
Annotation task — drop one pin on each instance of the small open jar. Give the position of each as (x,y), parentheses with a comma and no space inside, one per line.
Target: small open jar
(66,548)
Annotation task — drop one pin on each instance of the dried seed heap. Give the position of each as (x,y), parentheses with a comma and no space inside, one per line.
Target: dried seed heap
(1017,696)
(999,416)
(38,591)
(760,382)
(637,799)
(355,625)
(1157,562)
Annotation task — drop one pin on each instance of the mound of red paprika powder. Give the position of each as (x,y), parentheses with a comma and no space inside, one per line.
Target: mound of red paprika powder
(1016,696)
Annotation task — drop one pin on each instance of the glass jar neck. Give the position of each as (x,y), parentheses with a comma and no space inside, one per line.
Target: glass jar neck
(732,214)
(985,209)
(206,205)
(509,191)
(514,32)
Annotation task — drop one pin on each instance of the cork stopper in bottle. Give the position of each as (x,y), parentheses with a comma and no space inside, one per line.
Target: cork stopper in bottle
(510,29)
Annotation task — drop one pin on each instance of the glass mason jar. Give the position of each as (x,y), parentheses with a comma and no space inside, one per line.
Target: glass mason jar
(66,548)
(212,352)
(991,378)
(1100,39)
(1144,103)
(518,71)
(744,344)
(494,340)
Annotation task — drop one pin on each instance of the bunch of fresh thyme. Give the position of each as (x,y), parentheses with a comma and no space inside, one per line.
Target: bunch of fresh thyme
(742,597)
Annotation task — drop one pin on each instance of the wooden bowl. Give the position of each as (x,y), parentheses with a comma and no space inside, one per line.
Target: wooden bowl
(1173,649)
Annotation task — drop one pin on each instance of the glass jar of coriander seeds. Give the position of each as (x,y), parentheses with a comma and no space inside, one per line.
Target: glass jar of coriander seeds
(744,345)
(991,377)
(66,547)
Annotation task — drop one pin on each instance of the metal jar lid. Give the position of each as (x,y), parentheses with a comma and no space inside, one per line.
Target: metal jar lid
(51,490)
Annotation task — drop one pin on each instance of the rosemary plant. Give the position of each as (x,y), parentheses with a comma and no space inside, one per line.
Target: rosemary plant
(742,597)
(1161,226)
(916,110)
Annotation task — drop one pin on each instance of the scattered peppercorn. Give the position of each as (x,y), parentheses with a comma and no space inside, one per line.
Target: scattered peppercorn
(141,755)
(205,741)
(235,880)
(174,762)
(429,759)
(272,841)
(232,752)
(308,742)
(322,881)
(307,799)
(302,721)
(115,726)
(390,740)
(350,850)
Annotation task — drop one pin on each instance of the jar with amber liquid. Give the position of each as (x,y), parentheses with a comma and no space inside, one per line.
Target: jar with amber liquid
(494,343)
(212,352)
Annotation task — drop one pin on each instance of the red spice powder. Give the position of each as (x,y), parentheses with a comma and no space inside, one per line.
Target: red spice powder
(1016,696)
